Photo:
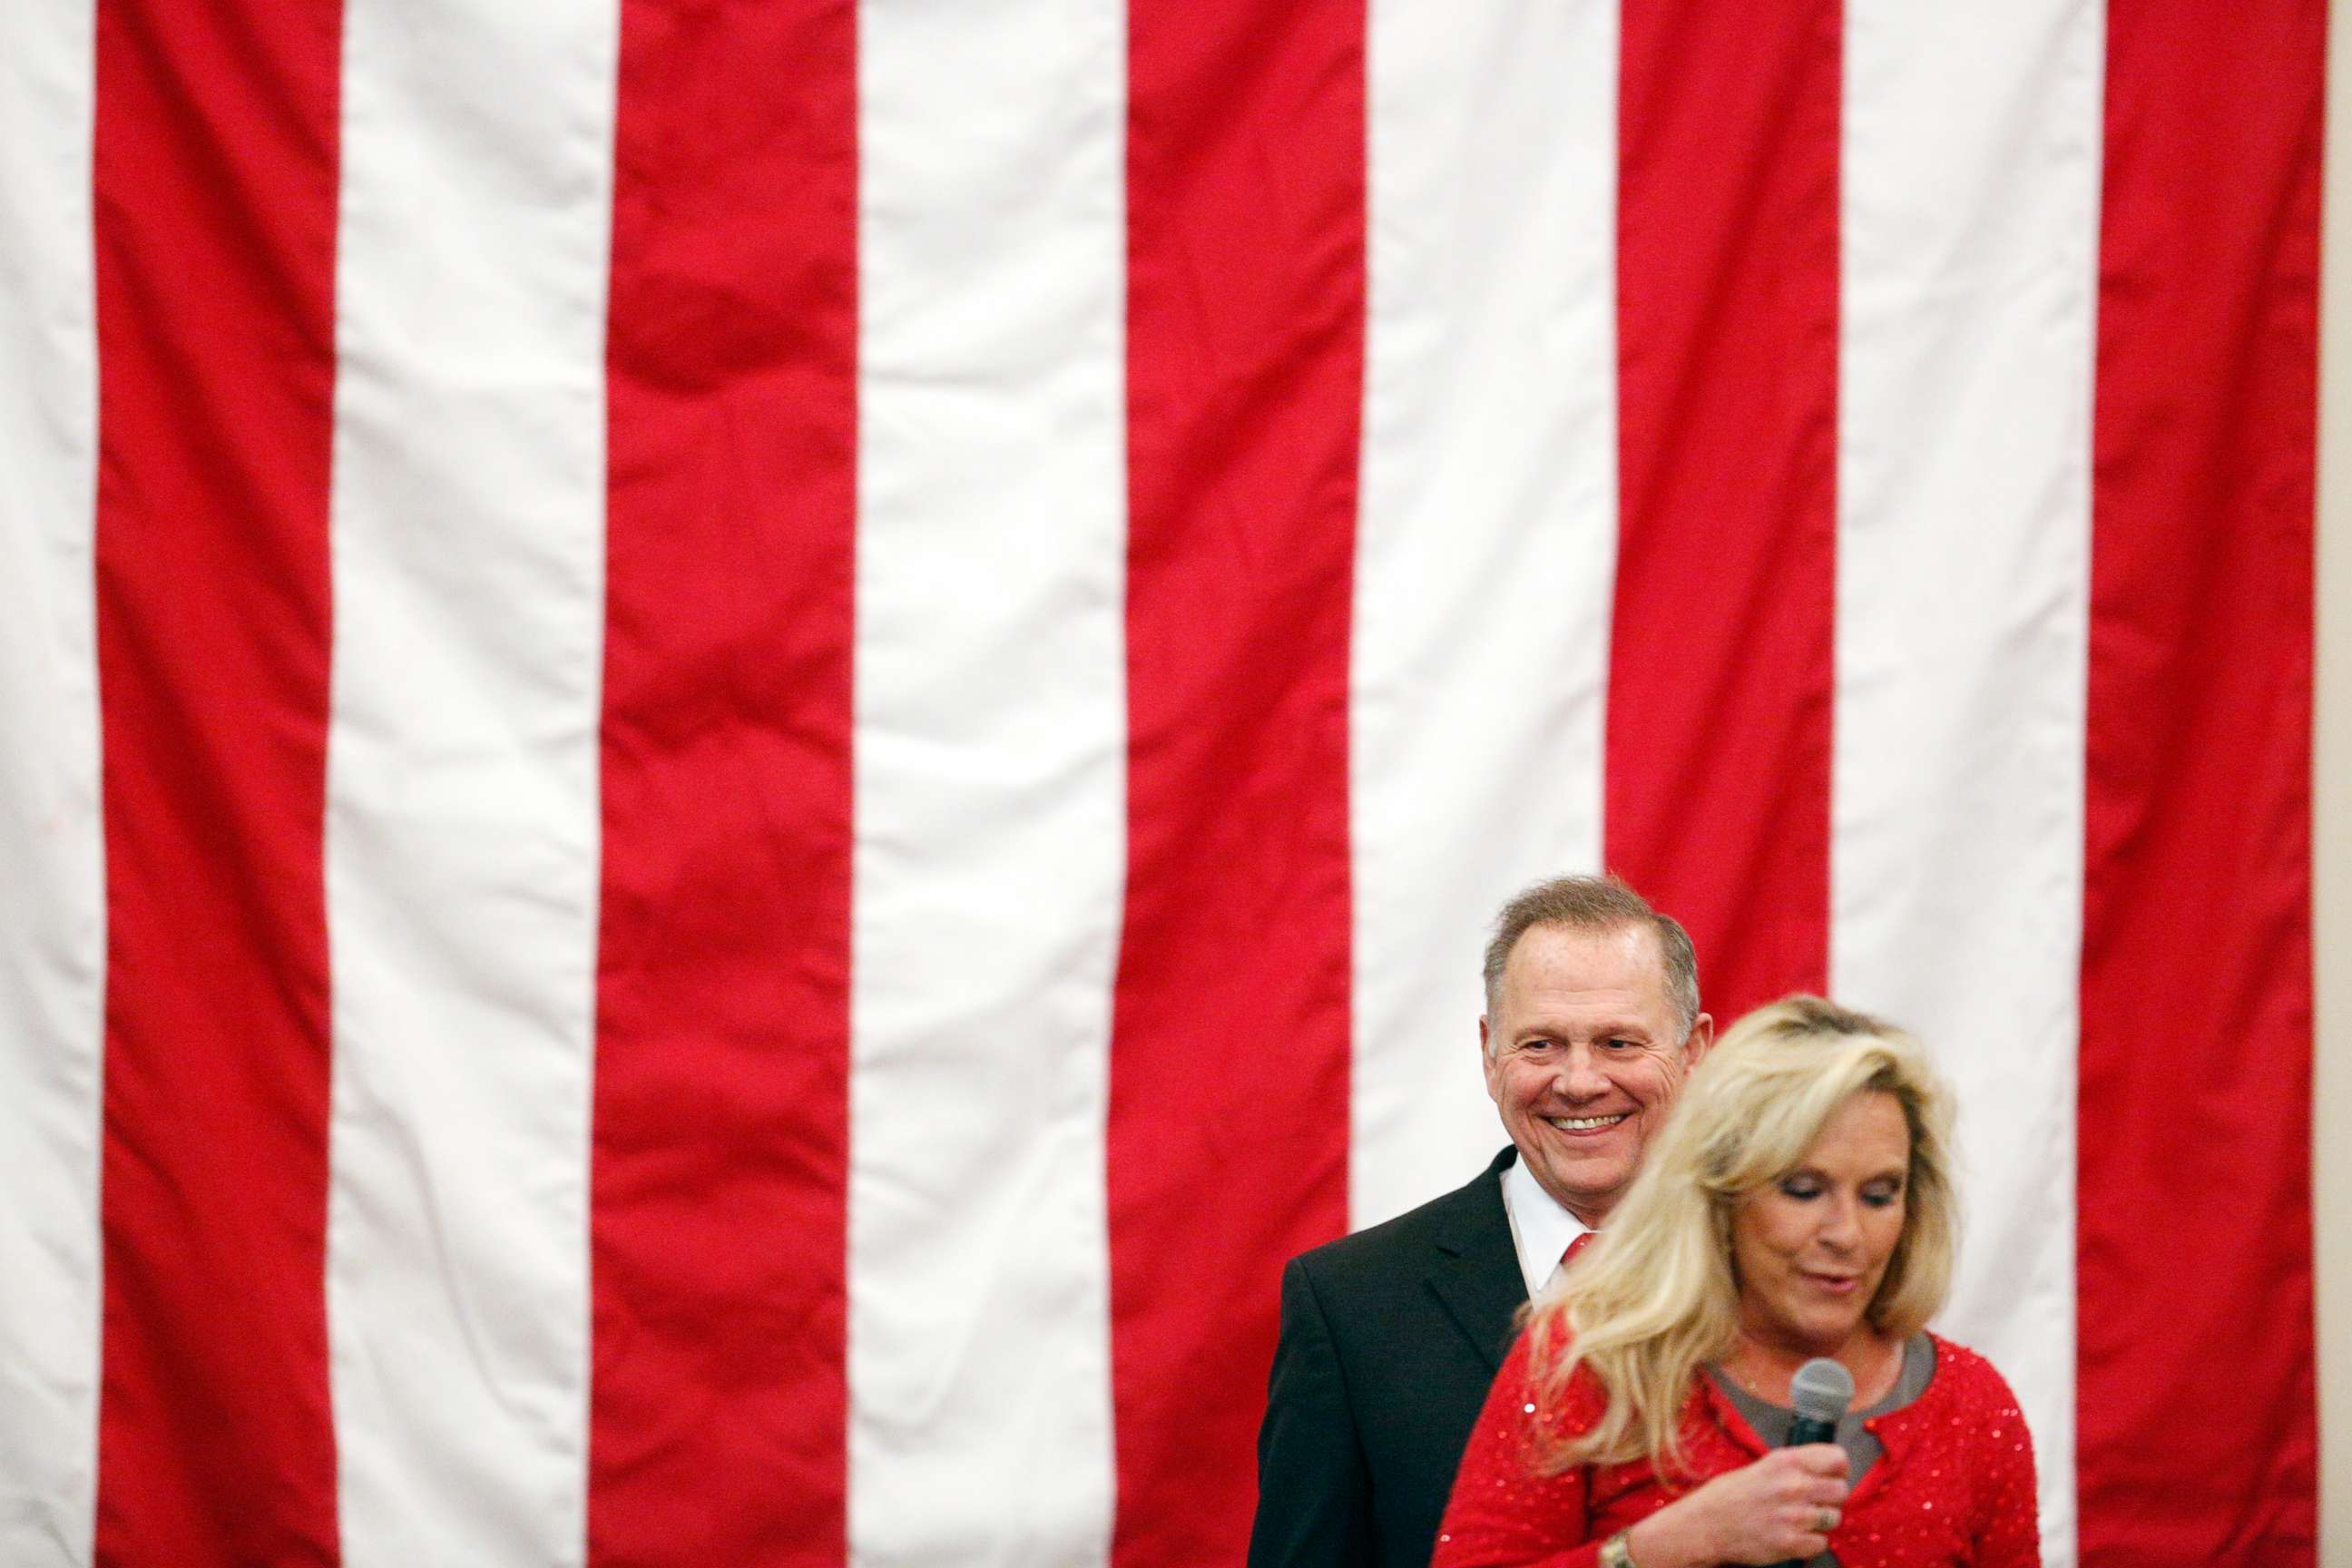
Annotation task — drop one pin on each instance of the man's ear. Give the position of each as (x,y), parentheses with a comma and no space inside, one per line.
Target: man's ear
(1702,1036)
(1482,1033)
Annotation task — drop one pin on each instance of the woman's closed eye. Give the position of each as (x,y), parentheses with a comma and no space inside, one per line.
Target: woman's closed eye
(1804,1188)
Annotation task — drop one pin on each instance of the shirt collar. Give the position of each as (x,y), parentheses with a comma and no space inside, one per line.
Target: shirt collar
(1540,1228)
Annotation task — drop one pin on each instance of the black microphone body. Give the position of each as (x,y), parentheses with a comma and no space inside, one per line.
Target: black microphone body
(1807,1429)
(1821,1391)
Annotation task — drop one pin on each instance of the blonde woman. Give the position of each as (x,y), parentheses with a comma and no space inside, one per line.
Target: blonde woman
(1798,1204)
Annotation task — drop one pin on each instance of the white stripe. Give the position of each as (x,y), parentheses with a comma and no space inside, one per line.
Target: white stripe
(1971,181)
(2331,826)
(991,779)
(52,878)
(1487,549)
(462,811)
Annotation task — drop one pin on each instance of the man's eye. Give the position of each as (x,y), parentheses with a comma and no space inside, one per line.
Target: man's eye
(1617,1043)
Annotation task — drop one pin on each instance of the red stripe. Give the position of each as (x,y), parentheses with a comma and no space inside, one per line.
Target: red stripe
(1228,1122)
(720,1169)
(215,189)
(2197,1436)
(1722,653)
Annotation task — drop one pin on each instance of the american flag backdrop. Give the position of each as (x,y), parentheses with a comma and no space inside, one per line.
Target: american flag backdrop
(743,747)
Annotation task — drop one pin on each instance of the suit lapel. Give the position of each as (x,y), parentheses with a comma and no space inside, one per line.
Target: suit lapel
(1475,1272)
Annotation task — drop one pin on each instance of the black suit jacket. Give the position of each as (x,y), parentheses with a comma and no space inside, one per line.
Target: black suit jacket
(1390,1339)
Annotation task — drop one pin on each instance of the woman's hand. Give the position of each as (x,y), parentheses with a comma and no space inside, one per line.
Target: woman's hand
(1763,1513)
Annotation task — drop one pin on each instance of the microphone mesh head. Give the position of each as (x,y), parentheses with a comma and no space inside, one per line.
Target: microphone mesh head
(1822,1390)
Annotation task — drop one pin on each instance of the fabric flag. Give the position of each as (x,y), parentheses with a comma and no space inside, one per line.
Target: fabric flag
(743,749)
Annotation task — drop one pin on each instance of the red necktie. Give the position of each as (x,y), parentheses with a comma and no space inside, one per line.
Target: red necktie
(1574,1247)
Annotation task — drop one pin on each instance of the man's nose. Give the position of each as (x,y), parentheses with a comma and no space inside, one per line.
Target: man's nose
(1579,1075)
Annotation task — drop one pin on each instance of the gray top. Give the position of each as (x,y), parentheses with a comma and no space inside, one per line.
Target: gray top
(1862,1448)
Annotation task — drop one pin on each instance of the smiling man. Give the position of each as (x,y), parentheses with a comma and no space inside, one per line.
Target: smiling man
(1390,1337)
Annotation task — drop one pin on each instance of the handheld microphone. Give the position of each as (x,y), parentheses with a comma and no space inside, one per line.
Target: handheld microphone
(1821,1391)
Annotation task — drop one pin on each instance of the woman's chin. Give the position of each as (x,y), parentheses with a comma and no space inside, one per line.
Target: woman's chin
(1809,1333)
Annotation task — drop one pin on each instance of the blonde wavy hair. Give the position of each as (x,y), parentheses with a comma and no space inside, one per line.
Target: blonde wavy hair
(1655,1296)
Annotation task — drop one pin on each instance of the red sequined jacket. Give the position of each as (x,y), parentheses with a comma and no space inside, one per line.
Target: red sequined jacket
(1953,1486)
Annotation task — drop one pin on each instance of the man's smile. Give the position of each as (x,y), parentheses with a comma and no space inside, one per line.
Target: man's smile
(1586,1123)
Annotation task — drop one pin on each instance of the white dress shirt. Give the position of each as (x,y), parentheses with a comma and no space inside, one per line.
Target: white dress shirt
(1540,1228)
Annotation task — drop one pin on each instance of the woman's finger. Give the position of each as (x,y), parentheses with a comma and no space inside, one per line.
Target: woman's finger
(1821,1458)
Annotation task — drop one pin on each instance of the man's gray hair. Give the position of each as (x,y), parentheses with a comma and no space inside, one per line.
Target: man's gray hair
(1595,904)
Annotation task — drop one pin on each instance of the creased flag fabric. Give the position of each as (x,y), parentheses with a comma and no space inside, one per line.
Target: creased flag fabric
(743,749)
